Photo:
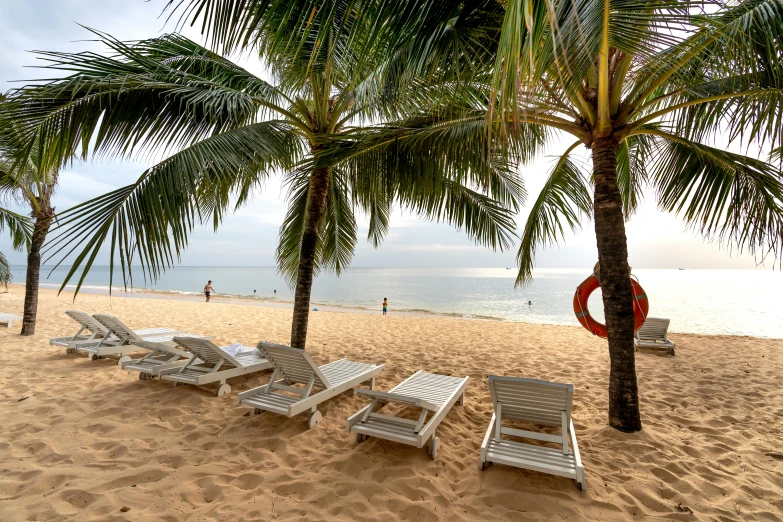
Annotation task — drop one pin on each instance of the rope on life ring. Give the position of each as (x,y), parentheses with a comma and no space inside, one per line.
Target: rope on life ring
(641,305)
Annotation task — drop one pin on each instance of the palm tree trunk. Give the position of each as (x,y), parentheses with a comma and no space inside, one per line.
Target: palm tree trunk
(615,287)
(43,219)
(316,206)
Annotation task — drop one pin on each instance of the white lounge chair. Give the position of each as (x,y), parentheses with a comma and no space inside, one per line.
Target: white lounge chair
(653,334)
(294,366)
(9,319)
(160,356)
(531,401)
(433,393)
(89,330)
(209,363)
(117,341)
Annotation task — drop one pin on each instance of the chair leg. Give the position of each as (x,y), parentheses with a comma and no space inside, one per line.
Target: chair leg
(314,419)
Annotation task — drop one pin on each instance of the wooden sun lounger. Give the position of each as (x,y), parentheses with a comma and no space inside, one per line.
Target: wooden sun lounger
(433,393)
(160,357)
(294,366)
(9,319)
(531,401)
(653,334)
(208,363)
(118,340)
(89,330)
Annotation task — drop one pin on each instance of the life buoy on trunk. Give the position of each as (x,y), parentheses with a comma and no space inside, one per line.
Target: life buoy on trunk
(640,305)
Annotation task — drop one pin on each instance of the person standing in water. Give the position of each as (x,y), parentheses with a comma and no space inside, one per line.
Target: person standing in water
(385,304)
(208,290)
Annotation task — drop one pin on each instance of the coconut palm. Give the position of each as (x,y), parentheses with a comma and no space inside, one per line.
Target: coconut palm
(24,180)
(647,87)
(233,130)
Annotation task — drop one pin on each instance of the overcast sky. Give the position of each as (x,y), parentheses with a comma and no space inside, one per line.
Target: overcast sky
(249,237)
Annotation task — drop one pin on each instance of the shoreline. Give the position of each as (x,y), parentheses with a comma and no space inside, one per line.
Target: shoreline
(273,303)
(268,302)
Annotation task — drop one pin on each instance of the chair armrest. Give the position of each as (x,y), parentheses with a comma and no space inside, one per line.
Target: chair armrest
(396,398)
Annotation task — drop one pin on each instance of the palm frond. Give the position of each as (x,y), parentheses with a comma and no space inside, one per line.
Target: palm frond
(337,231)
(154,95)
(150,220)
(632,157)
(563,201)
(5,271)
(734,199)
(20,227)
(726,77)
(293,227)
(338,234)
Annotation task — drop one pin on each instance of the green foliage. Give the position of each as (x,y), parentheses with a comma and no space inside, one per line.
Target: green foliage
(231,131)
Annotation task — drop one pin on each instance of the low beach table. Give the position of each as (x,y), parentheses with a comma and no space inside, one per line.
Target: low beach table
(431,392)
(9,319)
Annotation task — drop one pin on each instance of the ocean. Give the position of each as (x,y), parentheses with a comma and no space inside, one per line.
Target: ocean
(728,302)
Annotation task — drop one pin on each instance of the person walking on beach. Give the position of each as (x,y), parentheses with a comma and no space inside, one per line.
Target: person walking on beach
(385,304)
(208,290)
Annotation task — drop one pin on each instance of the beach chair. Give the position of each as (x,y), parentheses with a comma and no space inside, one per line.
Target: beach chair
(89,329)
(541,403)
(160,356)
(652,334)
(294,366)
(434,394)
(116,343)
(9,319)
(208,363)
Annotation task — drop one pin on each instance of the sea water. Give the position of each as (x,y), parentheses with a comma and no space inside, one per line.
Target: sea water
(731,302)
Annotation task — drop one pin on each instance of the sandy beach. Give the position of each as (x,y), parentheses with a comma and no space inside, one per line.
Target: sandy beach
(84,440)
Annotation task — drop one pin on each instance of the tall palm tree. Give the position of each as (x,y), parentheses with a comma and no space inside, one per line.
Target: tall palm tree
(23,179)
(647,87)
(235,129)
(20,229)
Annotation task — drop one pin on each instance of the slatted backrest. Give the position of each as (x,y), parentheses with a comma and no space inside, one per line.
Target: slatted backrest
(117,327)
(531,400)
(294,364)
(653,329)
(206,350)
(87,322)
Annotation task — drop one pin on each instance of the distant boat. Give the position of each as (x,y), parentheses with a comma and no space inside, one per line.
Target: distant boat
(682,269)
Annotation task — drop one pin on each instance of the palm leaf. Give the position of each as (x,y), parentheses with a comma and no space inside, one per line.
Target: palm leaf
(154,95)
(728,197)
(20,227)
(151,219)
(564,199)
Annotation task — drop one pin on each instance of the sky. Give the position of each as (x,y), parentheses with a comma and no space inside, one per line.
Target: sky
(249,236)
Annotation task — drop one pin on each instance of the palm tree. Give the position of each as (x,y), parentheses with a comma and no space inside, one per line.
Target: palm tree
(20,229)
(235,129)
(646,87)
(23,178)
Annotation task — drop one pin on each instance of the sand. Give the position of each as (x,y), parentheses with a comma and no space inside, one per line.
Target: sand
(84,440)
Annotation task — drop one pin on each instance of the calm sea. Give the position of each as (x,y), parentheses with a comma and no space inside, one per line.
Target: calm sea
(733,302)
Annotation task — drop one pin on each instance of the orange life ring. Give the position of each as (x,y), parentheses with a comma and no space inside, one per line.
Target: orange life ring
(640,305)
